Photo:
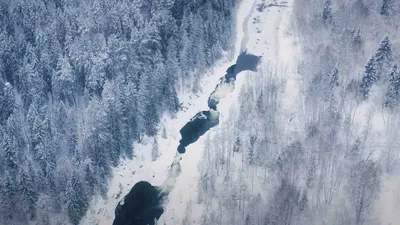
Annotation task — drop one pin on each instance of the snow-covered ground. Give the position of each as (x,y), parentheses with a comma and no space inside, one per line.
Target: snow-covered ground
(143,168)
(266,34)
(262,32)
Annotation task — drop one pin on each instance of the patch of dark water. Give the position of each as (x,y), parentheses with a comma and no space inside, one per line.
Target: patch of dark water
(196,127)
(245,61)
(141,206)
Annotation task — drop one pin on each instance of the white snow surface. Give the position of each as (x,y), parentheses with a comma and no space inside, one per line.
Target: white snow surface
(223,89)
(264,34)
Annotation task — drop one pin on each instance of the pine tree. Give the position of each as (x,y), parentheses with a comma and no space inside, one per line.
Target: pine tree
(172,73)
(164,133)
(47,164)
(63,83)
(149,49)
(184,46)
(375,65)
(327,12)
(159,81)
(109,123)
(154,150)
(38,123)
(369,78)
(98,142)
(329,83)
(384,54)
(148,116)
(238,145)
(303,201)
(90,181)
(9,67)
(387,8)
(27,194)
(355,151)
(7,101)
(8,195)
(10,156)
(311,173)
(357,40)
(392,96)
(333,78)
(77,199)
(251,152)
(31,85)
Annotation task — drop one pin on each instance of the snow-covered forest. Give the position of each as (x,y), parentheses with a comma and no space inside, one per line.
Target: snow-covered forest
(81,81)
(93,95)
(317,143)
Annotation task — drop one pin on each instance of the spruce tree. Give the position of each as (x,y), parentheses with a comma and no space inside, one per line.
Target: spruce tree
(333,78)
(8,197)
(148,116)
(384,54)
(327,12)
(164,133)
(77,199)
(27,194)
(63,83)
(154,150)
(7,101)
(369,78)
(378,62)
(392,96)
(357,40)
(9,153)
(387,7)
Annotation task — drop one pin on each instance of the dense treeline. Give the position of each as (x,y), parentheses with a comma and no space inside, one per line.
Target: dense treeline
(80,81)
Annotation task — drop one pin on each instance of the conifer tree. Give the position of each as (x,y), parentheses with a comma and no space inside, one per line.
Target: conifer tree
(7,101)
(27,194)
(375,65)
(392,96)
(387,8)
(384,54)
(154,150)
(77,199)
(369,78)
(327,12)
(357,40)
(10,156)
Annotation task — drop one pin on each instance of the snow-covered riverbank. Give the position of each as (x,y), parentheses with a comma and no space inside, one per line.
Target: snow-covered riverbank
(262,31)
(142,167)
(265,34)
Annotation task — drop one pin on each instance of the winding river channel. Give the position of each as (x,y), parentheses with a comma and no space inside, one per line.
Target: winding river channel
(143,204)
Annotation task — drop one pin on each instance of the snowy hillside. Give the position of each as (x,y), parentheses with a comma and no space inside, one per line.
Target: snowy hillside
(252,24)
(82,82)
(310,140)
(142,167)
(269,36)
(189,112)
